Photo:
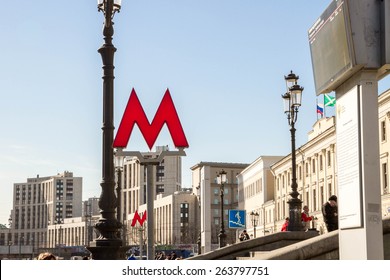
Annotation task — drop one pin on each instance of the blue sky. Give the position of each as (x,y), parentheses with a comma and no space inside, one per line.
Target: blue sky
(223,61)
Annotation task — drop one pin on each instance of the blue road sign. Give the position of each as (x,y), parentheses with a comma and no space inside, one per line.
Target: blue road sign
(237,218)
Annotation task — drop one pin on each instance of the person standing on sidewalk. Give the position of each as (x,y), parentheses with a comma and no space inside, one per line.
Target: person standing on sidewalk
(306,218)
(285,225)
(329,211)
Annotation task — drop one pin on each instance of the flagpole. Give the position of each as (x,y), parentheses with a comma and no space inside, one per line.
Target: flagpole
(324,106)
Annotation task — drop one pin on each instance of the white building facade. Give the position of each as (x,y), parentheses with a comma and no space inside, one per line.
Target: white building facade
(255,189)
(206,188)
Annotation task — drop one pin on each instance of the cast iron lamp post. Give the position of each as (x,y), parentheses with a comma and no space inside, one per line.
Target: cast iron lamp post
(221,180)
(199,240)
(292,101)
(9,237)
(21,238)
(254,220)
(57,242)
(119,162)
(108,242)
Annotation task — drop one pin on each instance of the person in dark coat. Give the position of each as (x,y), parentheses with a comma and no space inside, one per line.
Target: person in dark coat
(244,236)
(329,211)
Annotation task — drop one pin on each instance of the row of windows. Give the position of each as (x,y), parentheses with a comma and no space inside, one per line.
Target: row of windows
(218,190)
(37,193)
(284,180)
(217,201)
(253,188)
(35,217)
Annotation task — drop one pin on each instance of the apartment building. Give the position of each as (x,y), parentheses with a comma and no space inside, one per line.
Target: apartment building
(206,188)
(167,180)
(43,201)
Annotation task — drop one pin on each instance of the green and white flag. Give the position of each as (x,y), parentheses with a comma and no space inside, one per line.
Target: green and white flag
(329,101)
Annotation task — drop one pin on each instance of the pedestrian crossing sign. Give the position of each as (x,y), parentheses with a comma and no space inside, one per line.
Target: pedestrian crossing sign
(237,218)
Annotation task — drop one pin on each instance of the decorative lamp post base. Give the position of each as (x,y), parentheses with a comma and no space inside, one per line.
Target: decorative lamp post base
(107,251)
(295,209)
(222,239)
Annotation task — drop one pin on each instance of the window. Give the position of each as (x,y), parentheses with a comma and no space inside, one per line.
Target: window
(321,163)
(314,200)
(313,167)
(329,159)
(307,169)
(383,130)
(384,176)
(300,172)
(159,189)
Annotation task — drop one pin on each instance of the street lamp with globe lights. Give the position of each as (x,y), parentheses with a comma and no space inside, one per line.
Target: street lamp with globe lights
(292,101)
(254,219)
(108,244)
(221,180)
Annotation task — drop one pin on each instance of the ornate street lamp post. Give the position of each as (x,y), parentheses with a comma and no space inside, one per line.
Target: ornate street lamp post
(254,219)
(108,243)
(221,180)
(119,162)
(21,239)
(199,240)
(9,238)
(292,101)
(57,242)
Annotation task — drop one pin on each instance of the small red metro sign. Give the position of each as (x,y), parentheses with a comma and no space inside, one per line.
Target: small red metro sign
(135,114)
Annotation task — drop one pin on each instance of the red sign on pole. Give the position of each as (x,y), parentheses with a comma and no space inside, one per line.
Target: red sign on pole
(138,219)
(135,114)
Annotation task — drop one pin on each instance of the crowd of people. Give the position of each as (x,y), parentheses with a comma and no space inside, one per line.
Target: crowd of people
(162,256)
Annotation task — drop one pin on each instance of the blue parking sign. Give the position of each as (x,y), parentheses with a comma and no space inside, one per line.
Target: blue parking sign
(237,218)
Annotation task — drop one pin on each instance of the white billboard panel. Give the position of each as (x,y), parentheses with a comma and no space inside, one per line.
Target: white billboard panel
(349,159)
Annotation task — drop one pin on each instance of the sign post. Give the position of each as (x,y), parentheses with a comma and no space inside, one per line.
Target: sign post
(134,114)
(237,219)
(346,44)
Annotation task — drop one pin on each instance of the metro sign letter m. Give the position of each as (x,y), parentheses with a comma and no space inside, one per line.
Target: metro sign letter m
(134,113)
(138,219)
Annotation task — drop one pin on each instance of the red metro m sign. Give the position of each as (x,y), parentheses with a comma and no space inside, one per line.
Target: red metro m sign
(135,114)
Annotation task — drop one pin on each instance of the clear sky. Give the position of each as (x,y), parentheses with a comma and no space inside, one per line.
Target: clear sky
(223,61)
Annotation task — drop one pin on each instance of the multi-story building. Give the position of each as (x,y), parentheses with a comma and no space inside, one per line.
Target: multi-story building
(384,149)
(75,231)
(207,189)
(175,221)
(316,173)
(167,180)
(43,201)
(316,162)
(255,188)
